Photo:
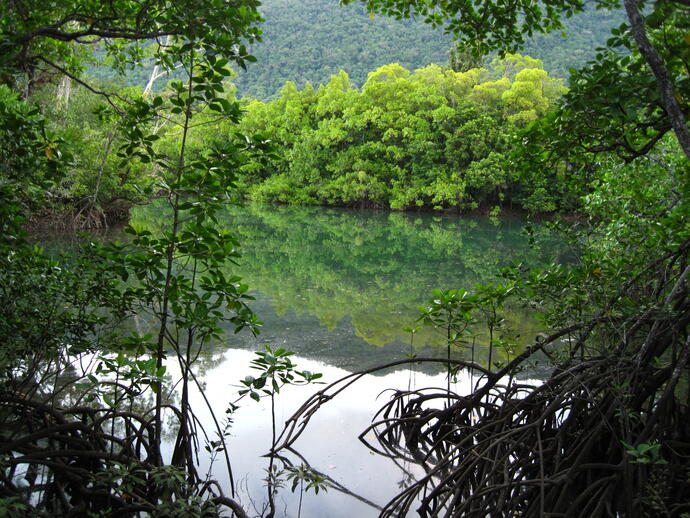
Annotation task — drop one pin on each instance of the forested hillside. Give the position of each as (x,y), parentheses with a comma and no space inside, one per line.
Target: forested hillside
(584,33)
(310,40)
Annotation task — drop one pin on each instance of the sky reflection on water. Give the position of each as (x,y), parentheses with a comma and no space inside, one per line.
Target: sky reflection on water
(338,287)
(330,443)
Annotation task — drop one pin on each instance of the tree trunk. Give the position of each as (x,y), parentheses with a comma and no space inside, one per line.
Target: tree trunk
(666,88)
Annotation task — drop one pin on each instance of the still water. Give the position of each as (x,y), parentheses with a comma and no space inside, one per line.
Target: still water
(337,287)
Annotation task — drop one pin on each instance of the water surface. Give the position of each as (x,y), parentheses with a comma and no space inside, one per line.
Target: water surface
(338,287)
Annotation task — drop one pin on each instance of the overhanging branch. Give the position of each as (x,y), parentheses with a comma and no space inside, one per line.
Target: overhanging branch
(666,88)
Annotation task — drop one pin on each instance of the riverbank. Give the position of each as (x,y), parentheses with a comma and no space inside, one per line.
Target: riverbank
(68,219)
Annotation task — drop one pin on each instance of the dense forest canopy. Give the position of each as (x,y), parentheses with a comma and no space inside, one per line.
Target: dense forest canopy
(308,41)
(606,434)
(429,139)
(311,40)
(432,138)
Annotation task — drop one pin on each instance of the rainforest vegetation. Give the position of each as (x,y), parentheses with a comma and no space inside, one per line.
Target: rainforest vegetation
(309,41)
(426,139)
(432,138)
(84,407)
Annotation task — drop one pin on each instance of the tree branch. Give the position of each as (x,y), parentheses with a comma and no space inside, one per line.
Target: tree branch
(666,88)
(64,71)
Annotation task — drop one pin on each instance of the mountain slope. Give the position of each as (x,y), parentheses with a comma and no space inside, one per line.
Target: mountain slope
(310,40)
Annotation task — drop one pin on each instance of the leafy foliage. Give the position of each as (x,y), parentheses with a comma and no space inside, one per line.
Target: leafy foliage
(56,317)
(277,369)
(606,433)
(309,41)
(31,159)
(37,40)
(429,139)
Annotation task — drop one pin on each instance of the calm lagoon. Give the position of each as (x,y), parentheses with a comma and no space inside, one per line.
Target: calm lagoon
(337,287)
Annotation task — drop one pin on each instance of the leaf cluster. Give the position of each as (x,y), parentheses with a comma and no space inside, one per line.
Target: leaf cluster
(429,139)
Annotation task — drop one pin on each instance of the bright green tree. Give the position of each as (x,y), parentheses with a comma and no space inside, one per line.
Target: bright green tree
(429,138)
